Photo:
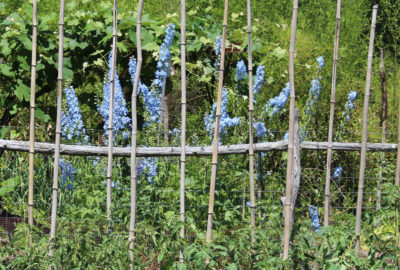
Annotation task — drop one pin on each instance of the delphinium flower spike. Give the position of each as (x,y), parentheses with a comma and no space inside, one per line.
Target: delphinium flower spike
(164,55)
(240,71)
(71,120)
(225,122)
(349,106)
(276,104)
(217,50)
(120,116)
(315,90)
(258,82)
(314,218)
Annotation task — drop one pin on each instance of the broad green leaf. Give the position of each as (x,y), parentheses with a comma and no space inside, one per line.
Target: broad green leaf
(279,52)
(22,91)
(6,70)
(42,115)
(9,185)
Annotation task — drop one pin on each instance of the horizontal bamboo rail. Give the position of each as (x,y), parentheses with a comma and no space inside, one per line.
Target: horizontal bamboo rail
(81,150)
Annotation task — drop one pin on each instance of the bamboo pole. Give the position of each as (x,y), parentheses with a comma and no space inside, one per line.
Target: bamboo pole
(214,161)
(251,137)
(289,172)
(397,181)
(110,117)
(365,130)
(196,151)
(384,111)
(32,118)
(260,181)
(134,134)
(183,123)
(331,118)
(58,130)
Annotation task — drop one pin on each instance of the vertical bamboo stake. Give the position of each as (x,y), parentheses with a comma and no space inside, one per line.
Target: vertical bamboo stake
(58,130)
(183,123)
(110,117)
(383,123)
(32,117)
(331,118)
(289,172)
(251,138)
(365,130)
(260,181)
(134,135)
(397,179)
(214,161)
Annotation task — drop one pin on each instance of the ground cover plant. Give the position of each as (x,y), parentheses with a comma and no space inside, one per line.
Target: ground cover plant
(82,241)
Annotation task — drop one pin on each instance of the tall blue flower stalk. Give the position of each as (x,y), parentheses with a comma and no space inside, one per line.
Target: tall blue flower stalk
(314,218)
(315,90)
(225,122)
(276,104)
(164,55)
(121,119)
(67,173)
(261,130)
(240,71)
(71,119)
(349,106)
(149,166)
(259,80)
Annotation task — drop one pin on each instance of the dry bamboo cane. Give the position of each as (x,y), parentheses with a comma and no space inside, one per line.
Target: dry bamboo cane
(32,118)
(365,130)
(397,179)
(331,118)
(58,130)
(384,111)
(134,135)
(183,123)
(289,172)
(251,137)
(214,161)
(110,117)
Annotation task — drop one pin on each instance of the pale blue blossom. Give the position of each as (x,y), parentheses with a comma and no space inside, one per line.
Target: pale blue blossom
(313,96)
(337,172)
(67,173)
(217,50)
(276,104)
(240,71)
(349,106)
(314,218)
(321,62)
(258,82)
(225,121)
(261,130)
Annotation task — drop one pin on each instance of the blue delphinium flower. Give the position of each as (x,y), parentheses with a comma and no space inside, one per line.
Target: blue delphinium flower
(217,50)
(286,136)
(120,114)
(313,96)
(71,120)
(314,218)
(349,106)
(163,62)
(337,172)
(240,71)
(321,62)
(261,130)
(258,82)
(176,133)
(67,173)
(225,120)
(150,167)
(276,104)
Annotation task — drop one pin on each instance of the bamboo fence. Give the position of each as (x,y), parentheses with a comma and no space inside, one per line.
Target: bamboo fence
(133,152)
(365,131)
(134,135)
(331,118)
